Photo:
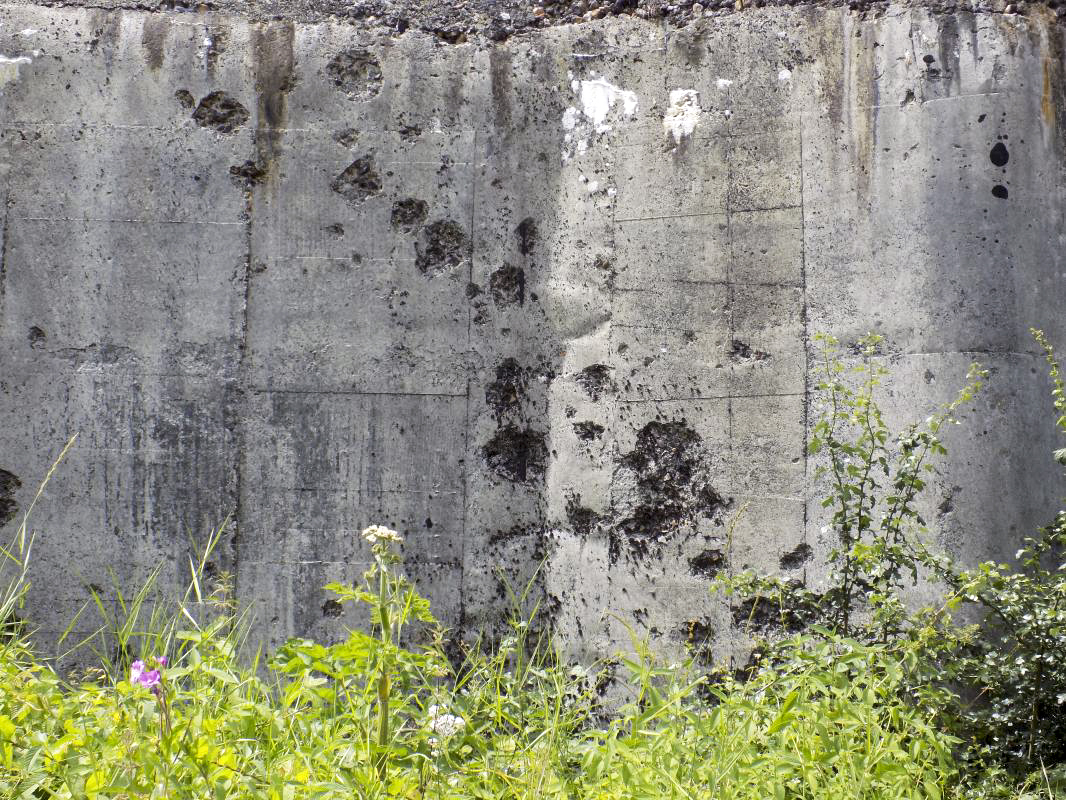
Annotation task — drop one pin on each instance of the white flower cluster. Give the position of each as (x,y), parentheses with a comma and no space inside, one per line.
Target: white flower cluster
(444,725)
(379,533)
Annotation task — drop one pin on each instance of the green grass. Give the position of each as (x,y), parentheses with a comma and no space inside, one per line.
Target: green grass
(371,718)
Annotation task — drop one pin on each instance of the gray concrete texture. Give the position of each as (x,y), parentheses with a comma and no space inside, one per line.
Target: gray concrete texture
(550,299)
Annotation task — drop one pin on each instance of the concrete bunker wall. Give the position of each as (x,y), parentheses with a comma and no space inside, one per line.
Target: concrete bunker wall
(549,298)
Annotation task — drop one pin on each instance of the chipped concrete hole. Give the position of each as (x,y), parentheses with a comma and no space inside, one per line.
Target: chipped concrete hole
(508,286)
(442,246)
(9,485)
(356,72)
(517,454)
(359,181)
(664,486)
(408,214)
(219,111)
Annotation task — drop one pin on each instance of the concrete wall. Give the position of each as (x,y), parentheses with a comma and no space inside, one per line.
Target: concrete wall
(550,298)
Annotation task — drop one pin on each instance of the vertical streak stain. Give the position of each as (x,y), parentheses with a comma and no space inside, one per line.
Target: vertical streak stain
(272,47)
(274,65)
(1045,96)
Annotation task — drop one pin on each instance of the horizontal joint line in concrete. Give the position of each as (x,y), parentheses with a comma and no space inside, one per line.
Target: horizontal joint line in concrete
(765,496)
(327,131)
(123,371)
(357,392)
(752,209)
(378,259)
(722,213)
(361,492)
(695,399)
(933,100)
(17,125)
(132,221)
(693,282)
(429,561)
(984,352)
(666,328)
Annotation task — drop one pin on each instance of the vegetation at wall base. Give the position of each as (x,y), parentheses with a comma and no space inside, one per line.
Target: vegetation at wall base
(851,692)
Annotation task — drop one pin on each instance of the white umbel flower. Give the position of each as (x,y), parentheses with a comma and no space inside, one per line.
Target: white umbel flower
(379,533)
(442,724)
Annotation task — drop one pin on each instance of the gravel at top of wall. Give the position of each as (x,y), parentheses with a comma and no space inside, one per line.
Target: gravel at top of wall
(461,21)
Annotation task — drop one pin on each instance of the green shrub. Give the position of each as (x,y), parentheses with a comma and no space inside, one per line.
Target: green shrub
(1003,682)
(1013,669)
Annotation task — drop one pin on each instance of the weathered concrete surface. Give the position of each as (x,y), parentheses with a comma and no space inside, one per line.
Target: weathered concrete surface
(551,298)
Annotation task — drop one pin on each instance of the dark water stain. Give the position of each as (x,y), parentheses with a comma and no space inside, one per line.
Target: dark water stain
(741,351)
(707,564)
(668,464)
(217,40)
(36,337)
(500,68)
(999,154)
(275,75)
(248,174)
(582,520)
(527,235)
(698,636)
(504,395)
(184,96)
(588,431)
(761,613)
(153,40)
(349,137)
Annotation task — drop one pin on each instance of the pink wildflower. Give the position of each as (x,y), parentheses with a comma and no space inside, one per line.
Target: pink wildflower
(146,678)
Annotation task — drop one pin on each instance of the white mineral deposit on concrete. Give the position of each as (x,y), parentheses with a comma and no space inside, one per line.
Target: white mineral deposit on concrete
(683,114)
(723,83)
(785,76)
(597,98)
(9,67)
(570,117)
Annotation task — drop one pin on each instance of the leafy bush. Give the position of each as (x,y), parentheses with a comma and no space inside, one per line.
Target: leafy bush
(1003,682)
(1013,670)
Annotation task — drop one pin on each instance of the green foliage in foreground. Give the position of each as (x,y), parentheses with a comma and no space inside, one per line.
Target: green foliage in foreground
(369,718)
(882,701)
(836,721)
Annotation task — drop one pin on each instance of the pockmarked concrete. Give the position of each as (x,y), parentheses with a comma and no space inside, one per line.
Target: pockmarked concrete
(546,306)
